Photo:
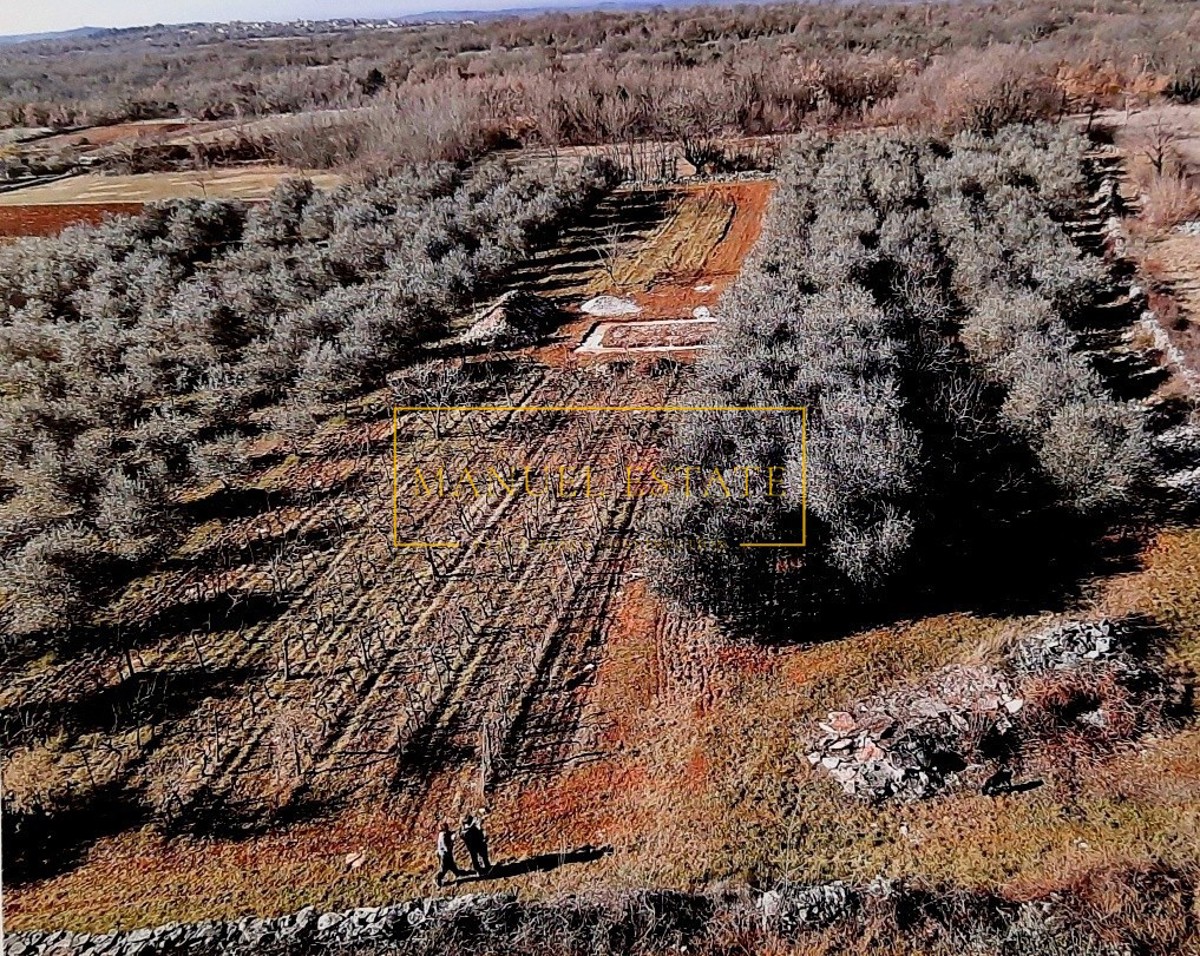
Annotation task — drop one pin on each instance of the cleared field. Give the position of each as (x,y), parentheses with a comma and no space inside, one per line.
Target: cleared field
(230,131)
(143,131)
(677,727)
(248,183)
(693,255)
(669,251)
(48,209)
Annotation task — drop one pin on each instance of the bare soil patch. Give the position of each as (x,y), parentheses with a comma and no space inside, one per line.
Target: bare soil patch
(144,131)
(52,218)
(661,335)
(670,251)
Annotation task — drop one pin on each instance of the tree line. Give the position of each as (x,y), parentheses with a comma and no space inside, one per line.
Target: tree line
(567,79)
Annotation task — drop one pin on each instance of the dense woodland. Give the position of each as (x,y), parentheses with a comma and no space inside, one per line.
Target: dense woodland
(452,90)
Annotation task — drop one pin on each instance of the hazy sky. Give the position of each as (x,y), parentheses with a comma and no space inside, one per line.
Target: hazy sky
(35,16)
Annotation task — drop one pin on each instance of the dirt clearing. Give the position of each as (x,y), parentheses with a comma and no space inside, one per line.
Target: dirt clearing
(48,209)
(669,252)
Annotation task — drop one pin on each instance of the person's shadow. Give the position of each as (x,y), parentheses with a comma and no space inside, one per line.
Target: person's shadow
(541,863)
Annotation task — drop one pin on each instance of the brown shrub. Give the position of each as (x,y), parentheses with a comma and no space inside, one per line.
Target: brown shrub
(1170,199)
(1147,908)
(977,91)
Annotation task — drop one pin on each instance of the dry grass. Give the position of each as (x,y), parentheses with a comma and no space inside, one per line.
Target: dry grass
(247,183)
(1169,200)
(1162,151)
(692,727)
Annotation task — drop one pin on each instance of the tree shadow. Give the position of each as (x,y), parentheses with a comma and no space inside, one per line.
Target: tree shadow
(233,501)
(212,815)
(1030,567)
(41,842)
(254,546)
(147,697)
(219,612)
(539,863)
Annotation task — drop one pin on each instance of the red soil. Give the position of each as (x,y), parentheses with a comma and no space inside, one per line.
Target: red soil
(674,293)
(678,335)
(677,296)
(49,219)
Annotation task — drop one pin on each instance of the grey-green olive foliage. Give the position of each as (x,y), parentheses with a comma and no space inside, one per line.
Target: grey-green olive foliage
(131,354)
(917,298)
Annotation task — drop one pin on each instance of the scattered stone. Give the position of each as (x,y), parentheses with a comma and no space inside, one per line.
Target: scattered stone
(966,724)
(1069,646)
(791,908)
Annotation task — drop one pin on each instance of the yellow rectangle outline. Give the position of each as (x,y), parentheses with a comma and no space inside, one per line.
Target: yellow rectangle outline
(803,409)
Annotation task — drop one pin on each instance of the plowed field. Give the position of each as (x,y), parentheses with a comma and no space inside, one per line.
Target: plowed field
(49,208)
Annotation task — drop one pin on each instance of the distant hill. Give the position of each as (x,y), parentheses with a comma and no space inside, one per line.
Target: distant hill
(375,20)
(77,34)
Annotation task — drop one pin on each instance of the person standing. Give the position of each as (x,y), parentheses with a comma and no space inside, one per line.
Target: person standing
(445,855)
(475,840)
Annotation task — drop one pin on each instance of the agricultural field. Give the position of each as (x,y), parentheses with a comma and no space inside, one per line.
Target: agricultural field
(333,660)
(664,256)
(748,458)
(45,210)
(355,673)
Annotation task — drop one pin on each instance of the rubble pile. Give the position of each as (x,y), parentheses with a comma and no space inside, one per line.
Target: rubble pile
(1076,644)
(971,724)
(917,740)
(791,907)
(1105,678)
(608,306)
